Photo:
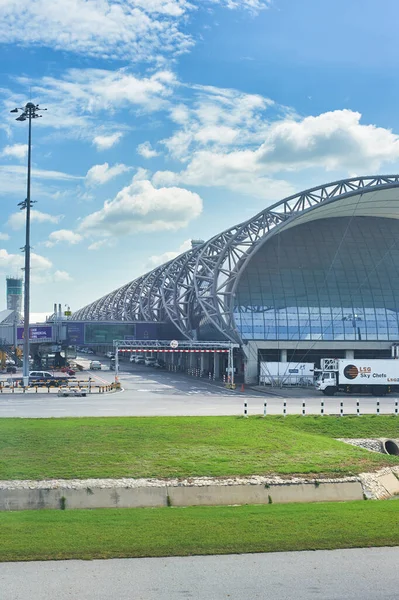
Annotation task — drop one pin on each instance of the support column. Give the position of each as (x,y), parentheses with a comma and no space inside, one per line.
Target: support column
(216,365)
(349,354)
(283,355)
(251,363)
(202,361)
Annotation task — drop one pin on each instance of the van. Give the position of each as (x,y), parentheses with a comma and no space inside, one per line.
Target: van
(95,365)
(138,359)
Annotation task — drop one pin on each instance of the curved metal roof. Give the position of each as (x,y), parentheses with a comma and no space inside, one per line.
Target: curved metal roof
(204,279)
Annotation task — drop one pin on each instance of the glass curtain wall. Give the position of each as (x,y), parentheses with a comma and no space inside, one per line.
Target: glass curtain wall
(331,279)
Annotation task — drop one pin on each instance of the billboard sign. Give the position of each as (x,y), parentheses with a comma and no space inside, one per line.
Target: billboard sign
(76,334)
(374,372)
(41,332)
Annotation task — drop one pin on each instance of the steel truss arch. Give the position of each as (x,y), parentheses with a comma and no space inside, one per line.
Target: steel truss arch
(177,290)
(203,280)
(220,262)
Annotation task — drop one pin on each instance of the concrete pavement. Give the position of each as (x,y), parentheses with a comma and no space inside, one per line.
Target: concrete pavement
(148,392)
(359,574)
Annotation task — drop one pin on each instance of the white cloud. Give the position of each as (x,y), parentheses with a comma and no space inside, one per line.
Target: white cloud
(19,151)
(129,30)
(142,207)
(159,259)
(63,235)
(146,150)
(61,276)
(4,236)
(16,261)
(218,118)
(254,6)
(80,95)
(20,170)
(236,171)
(13,181)
(99,174)
(333,141)
(108,29)
(104,142)
(41,267)
(105,243)
(17,220)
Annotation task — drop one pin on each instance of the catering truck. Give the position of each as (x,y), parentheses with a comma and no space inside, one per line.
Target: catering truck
(352,376)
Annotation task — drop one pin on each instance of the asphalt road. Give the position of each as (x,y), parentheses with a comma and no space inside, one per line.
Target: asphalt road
(147,392)
(364,574)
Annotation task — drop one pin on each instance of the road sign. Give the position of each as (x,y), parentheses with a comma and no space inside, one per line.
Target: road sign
(174,344)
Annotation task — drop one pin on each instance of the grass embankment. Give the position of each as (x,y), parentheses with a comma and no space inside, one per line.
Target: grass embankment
(188,446)
(107,533)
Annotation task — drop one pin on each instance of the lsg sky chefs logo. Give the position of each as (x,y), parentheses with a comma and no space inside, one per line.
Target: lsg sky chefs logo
(351,371)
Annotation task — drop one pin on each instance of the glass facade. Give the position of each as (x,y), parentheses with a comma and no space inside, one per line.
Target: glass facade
(330,279)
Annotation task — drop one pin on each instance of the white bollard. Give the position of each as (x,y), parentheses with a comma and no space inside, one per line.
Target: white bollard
(245,410)
(303,409)
(264,409)
(378,407)
(358,408)
(322,408)
(284,409)
(396,408)
(341,409)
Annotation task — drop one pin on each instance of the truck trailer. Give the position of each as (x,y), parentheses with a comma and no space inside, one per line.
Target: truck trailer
(351,376)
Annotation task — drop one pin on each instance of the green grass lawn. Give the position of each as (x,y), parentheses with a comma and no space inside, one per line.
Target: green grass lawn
(107,533)
(188,446)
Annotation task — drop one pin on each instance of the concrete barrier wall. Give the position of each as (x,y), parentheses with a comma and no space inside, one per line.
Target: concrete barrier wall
(34,499)
(207,495)
(258,494)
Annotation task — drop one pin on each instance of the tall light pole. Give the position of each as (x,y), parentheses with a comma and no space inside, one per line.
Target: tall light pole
(29,112)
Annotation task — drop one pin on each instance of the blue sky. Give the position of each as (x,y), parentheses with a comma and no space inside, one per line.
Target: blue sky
(170,120)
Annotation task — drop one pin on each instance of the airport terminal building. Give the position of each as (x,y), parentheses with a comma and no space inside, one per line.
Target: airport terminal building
(315,275)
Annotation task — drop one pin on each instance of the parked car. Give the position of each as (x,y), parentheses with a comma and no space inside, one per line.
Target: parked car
(138,359)
(149,361)
(89,351)
(44,378)
(67,370)
(95,365)
(11,369)
(109,355)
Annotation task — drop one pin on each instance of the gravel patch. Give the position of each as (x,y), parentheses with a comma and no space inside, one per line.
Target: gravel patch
(52,484)
(374,445)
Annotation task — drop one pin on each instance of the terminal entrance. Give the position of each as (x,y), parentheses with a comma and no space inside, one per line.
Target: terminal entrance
(213,360)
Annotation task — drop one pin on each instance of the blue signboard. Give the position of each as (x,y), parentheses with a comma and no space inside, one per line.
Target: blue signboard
(76,334)
(41,332)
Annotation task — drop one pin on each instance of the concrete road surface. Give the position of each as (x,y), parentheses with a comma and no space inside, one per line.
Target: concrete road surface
(366,574)
(147,392)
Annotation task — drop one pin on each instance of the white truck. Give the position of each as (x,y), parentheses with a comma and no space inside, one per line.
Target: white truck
(352,376)
(286,373)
